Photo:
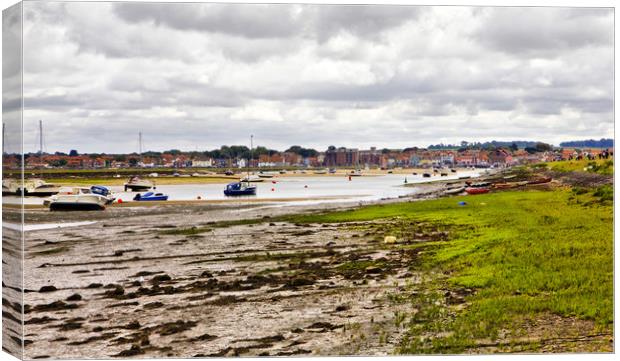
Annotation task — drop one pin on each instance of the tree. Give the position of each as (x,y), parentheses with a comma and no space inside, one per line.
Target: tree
(514,147)
(543,147)
(73,153)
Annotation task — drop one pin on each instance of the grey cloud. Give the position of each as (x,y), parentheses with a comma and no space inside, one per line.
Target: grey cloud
(544,30)
(247,20)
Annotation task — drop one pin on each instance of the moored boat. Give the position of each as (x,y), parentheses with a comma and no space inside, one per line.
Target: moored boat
(265,175)
(150,196)
(456,190)
(426,175)
(252,178)
(76,199)
(136,184)
(240,189)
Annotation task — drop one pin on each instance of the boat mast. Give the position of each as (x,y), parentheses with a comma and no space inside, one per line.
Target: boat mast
(251,154)
(140,146)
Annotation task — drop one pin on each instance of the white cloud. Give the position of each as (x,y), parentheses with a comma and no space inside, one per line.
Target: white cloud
(203,75)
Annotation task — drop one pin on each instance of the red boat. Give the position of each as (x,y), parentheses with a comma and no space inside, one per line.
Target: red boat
(472,190)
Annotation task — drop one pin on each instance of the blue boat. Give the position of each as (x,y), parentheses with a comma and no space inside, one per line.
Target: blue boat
(103,191)
(240,189)
(150,196)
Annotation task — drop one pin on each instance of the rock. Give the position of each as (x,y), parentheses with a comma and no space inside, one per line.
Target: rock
(94,285)
(74,297)
(161,278)
(48,289)
(373,269)
(342,308)
(133,351)
(206,274)
(116,292)
(389,239)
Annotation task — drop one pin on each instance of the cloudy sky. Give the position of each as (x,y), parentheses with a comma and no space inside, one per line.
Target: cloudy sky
(196,76)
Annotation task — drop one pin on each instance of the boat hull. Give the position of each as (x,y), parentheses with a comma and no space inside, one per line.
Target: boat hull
(137,187)
(473,191)
(245,192)
(73,206)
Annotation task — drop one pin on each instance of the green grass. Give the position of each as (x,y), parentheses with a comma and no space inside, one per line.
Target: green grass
(525,252)
(599,166)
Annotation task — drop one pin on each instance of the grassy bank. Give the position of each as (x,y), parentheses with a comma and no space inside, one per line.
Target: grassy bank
(599,166)
(516,256)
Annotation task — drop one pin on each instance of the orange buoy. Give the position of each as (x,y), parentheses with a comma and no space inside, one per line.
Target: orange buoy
(273,189)
(349,177)
(274,182)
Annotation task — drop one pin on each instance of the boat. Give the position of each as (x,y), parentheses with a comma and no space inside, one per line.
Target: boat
(282,171)
(426,175)
(332,171)
(244,187)
(150,196)
(320,171)
(103,191)
(136,184)
(355,173)
(465,177)
(77,199)
(453,170)
(229,172)
(10,187)
(540,180)
(240,189)
(265,175)
(252,178)
(444,174)
(476,190)
(40,188)
(455,190)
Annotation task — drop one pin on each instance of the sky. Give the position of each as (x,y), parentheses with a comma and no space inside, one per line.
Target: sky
(196,76)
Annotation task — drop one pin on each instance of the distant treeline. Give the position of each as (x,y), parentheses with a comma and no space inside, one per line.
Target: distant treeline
(590,143)
(516,144)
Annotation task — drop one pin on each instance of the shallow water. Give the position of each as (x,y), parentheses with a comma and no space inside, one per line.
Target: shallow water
(310,189)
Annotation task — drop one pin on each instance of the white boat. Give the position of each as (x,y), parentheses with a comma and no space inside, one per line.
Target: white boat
(252,178)
(77,198)
(355,173)
(320,171)
(10,186)
(265,175)
(136,183)
(40,188)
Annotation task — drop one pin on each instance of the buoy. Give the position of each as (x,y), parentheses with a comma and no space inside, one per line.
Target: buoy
(120,200)
(198,197)
(405,180)
(274,182)
(349,178)
(273,189)
(305,186)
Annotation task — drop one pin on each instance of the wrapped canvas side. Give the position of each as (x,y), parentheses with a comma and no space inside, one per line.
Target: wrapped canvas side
(12,183)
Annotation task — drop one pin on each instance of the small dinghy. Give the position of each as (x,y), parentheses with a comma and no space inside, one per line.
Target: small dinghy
(150,196)
(426,175)
(475,190)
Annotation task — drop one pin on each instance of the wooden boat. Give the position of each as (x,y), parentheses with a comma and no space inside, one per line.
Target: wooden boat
(136,184)
(540,180)
(476,190)
(150,196)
